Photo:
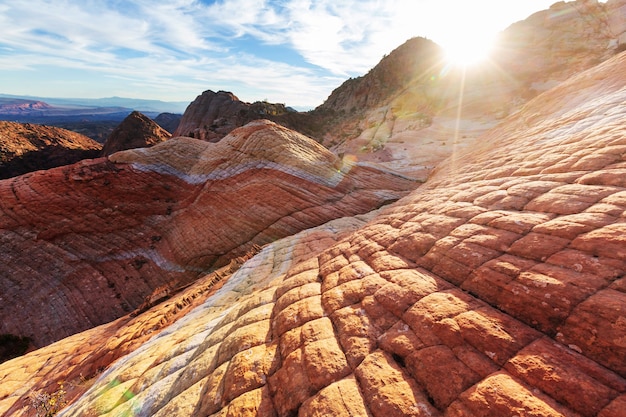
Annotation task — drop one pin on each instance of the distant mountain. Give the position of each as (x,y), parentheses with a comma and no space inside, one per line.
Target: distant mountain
(11,106)
(142,105)
(95,118)
(168,121)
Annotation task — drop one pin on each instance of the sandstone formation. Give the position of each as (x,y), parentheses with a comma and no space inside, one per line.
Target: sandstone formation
(84,244)
(553,44)
(211,116)
(411,113)
(78,360)
(495,289)
(135,131)
(29,147)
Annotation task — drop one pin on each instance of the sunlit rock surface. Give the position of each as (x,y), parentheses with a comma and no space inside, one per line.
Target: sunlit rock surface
(496,289)
(414,109)
(77,361)
(85,244)
(26,147)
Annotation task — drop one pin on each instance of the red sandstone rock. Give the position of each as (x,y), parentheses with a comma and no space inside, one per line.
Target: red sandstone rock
(135,131)
(496,289)
(29,147)
(99,236)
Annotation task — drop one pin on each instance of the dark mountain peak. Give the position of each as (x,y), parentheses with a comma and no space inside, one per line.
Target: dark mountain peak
(412,59)
(211,116)
(168,121)
(136,131)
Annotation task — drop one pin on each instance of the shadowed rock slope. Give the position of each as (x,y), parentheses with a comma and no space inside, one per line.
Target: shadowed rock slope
(211,116)
(135,131)
(496,289)
(26,147)
(84,244)
(168,121)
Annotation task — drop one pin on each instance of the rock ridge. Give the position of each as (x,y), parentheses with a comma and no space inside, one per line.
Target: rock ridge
(102,234)
(28,147)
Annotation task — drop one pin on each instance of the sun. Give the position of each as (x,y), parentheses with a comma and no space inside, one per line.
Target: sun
(467,49)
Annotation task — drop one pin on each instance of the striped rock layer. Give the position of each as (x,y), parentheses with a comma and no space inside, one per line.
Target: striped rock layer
(496,289)
(84,244)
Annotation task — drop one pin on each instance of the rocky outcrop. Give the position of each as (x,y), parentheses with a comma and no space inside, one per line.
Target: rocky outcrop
(29,147)
(495,289)
(168,121)
(553,44)
(135,131)
(415,60)
(413,110)
(84,244)
(211,116)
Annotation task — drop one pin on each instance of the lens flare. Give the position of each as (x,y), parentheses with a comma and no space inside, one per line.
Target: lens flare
(467,49)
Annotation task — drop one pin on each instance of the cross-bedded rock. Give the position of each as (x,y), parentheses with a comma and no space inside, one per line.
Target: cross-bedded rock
(84,244)
(496,289)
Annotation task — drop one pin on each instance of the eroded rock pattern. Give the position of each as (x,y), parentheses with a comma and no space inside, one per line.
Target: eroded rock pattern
(496,289)
(85,244)
(78,360)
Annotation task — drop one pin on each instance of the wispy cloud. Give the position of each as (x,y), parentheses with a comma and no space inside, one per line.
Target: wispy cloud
(175,49)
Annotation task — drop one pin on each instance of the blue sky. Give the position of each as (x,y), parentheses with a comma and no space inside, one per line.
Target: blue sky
(288,51)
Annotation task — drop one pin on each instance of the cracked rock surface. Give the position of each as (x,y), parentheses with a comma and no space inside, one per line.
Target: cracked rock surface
(495,289)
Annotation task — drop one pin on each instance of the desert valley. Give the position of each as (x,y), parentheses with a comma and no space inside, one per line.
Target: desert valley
(429,241)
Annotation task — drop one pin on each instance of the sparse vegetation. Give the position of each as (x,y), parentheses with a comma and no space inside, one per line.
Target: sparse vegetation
(48,405)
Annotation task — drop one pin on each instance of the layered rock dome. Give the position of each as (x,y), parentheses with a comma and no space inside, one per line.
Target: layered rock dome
(84,244)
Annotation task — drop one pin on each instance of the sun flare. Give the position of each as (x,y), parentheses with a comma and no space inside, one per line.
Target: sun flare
(467,49)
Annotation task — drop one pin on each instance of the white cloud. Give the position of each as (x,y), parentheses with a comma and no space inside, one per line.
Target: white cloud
(185,45)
